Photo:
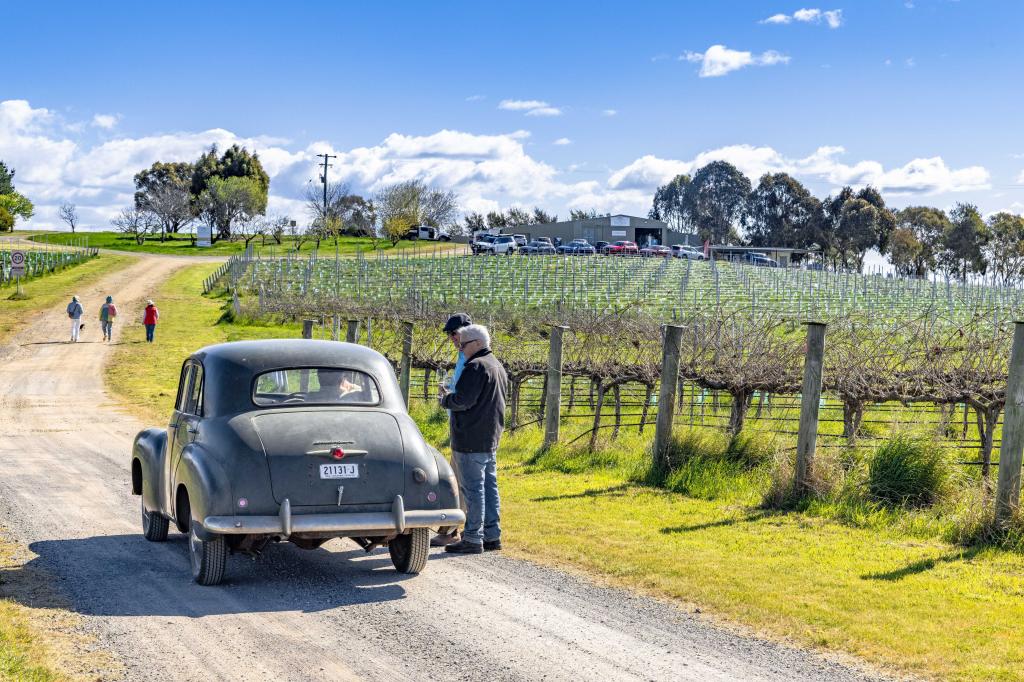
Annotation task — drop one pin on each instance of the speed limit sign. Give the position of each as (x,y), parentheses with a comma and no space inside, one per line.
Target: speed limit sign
(17,263)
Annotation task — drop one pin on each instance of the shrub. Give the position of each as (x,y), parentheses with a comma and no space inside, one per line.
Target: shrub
(6,220)
(751,449)
(906,472)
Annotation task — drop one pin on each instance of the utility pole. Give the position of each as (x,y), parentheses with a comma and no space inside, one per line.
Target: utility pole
(323,179)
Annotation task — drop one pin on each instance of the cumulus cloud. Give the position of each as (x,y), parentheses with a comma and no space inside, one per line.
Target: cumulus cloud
(918,176)
(833,17)
(562,141)
(487,171)
(105,121)
(719,60)
(1020,178)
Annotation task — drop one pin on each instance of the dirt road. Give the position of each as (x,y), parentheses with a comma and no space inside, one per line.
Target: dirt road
(329,614)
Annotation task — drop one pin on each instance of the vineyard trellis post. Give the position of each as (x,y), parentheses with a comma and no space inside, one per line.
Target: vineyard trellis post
(352,333)
(1012,447)
(335,328)
(307,329)
(405,369)
(671,344)
(553,399)
(810,397)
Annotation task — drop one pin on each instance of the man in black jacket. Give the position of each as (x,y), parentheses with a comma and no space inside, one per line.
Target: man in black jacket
(478,418)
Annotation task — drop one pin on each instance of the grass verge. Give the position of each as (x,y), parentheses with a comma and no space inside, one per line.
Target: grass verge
(840,575)
(181,244)
(45,292)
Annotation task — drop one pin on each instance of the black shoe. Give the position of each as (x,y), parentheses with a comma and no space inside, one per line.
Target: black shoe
(463,547)
(492,545)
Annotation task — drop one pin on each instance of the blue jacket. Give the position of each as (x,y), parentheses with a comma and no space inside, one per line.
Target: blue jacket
(460,364)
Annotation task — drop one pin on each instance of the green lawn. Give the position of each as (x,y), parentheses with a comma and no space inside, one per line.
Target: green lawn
(44,292)
(181,245)
(894,594)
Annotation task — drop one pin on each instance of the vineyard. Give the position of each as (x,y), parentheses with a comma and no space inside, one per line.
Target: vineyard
(40,260)
(900,354)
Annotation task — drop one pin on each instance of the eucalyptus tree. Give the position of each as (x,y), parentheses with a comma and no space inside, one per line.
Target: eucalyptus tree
(716,201)
(782,212)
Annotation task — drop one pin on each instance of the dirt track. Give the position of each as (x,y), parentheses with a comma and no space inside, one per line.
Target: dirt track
(333,613)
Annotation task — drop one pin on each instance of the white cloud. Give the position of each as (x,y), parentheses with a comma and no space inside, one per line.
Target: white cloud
(1020,178)
(719,60)
(521,104)
(909,62)
(544,111)
(105,121)
(562,141)
(918,176)
(475,98)
(610,112)
(832,17)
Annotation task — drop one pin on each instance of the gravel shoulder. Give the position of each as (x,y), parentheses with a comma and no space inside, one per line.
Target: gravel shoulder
(333,613)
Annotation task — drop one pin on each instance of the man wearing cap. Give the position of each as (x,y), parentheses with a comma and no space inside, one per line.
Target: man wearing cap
(451,329)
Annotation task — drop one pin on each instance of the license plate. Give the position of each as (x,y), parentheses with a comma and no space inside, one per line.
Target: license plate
(339,471)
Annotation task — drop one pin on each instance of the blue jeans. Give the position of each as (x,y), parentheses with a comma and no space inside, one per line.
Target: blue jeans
(479,487)
(150,328)
(108,329)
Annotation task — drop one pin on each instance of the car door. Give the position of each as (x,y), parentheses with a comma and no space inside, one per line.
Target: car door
(188,415)
(166,474)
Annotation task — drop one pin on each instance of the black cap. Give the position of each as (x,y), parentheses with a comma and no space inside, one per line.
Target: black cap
(457,322)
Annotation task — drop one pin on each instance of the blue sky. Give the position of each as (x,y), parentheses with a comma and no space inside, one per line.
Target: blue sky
(921,98)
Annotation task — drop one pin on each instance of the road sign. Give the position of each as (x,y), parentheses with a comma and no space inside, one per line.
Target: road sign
(17,263)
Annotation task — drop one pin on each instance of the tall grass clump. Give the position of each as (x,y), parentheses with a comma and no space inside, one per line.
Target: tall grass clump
(905,471)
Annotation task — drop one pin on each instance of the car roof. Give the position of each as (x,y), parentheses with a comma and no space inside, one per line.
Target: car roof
(229,368)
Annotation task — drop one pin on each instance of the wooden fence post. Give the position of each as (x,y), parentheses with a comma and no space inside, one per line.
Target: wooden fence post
(1012,447)
(335,328)
(671,344)
(405,369)
(307,329)
(352,333)
(553,394)
(810,397)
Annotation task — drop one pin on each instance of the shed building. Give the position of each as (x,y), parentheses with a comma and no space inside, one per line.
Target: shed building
(608,228)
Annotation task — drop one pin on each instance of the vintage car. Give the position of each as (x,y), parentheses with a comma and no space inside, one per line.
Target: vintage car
(291,439)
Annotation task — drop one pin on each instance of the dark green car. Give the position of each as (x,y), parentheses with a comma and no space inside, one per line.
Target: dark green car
(295,440)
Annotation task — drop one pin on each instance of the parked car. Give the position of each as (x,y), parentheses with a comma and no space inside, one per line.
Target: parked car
(483,243)
(760,259)
(503,244)
(600,246)
(544,239)
(622,248)
(537,248)
(688,252)
(429,233)
(577,247)
(291,440)
(520,240)
(656,250)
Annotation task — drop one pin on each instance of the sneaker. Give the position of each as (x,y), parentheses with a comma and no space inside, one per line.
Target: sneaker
(463,547)
(444,540)
(492,545)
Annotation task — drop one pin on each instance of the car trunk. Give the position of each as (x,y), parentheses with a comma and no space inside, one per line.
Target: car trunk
(297,442)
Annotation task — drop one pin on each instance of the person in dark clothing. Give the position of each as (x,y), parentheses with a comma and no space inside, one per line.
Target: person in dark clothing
(478,419)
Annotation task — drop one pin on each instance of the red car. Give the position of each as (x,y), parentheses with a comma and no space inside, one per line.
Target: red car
(656,250)
(622,248)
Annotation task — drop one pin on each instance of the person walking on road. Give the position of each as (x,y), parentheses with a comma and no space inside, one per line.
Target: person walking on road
(478,419)
(75,312)
(149,318)
(451,329)
(108,311)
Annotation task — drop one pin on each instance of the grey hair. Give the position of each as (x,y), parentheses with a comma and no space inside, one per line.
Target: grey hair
(475,332)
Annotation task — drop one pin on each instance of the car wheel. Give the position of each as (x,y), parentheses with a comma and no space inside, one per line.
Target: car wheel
(409,552)
(207,557)
(154,525)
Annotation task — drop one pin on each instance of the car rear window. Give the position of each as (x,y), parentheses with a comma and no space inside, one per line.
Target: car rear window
(315,386)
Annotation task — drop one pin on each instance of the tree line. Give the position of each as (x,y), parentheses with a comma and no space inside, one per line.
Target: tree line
(13,205)
(721,205)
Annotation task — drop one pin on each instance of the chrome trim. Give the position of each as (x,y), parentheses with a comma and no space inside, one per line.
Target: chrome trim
(286,524)
(398,512)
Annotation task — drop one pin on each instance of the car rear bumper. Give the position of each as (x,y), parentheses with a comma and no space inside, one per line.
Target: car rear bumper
(286,523)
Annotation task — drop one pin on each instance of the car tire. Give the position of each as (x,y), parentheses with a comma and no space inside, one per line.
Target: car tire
(207,557)
(409,552)
(154,525)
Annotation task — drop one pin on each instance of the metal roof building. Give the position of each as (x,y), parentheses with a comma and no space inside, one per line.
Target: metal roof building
(609,228)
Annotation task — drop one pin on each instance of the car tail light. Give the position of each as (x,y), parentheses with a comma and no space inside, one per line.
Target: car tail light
(337,453)
(242,502)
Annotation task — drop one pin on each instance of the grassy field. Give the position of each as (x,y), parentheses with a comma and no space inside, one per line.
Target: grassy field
(886,588)
(181,244)
(47,291)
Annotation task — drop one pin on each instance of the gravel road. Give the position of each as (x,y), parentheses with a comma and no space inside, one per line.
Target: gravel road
(328,614)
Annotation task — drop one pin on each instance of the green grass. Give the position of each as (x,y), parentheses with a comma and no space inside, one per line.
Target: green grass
(181,244)
(45,292)
(842,572)
(22,657)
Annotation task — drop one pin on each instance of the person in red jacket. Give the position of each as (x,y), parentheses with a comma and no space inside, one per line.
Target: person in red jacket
(149,319)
